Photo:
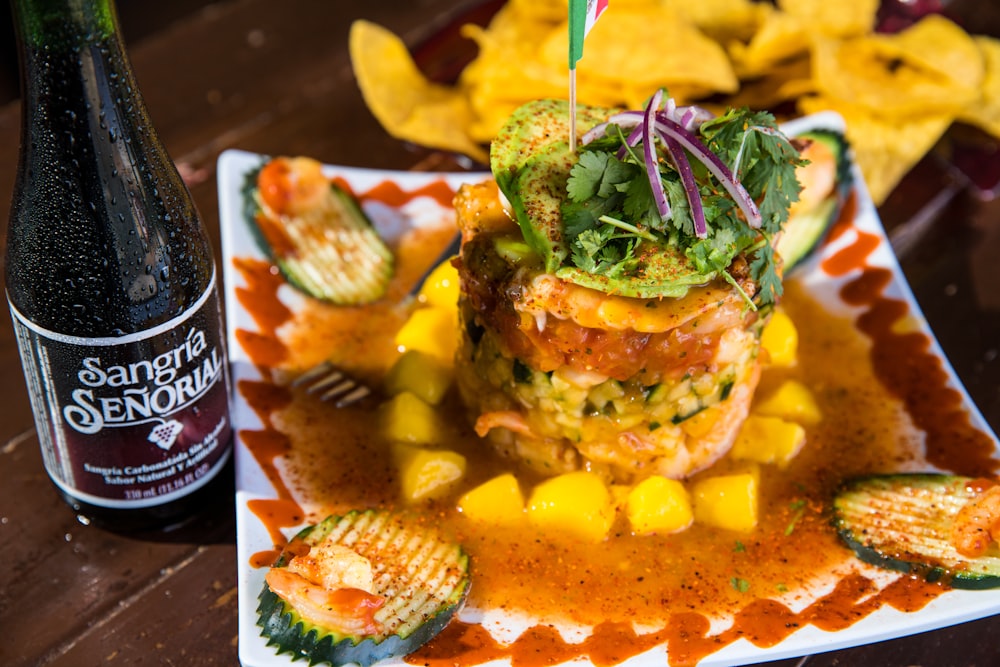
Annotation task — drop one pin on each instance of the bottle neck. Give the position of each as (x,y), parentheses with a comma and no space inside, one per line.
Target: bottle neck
(91,162)
(64,24)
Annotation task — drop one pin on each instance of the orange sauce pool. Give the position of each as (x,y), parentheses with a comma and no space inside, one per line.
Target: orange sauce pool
(884,402)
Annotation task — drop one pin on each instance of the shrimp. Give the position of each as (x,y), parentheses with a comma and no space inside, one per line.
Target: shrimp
(508,419)
(544,294)
(292,186)
(977,524)
(330,586)
(818,178)
(480,209)
(334,566)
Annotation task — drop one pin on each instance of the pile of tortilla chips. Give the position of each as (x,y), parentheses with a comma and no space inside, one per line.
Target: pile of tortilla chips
(898,93)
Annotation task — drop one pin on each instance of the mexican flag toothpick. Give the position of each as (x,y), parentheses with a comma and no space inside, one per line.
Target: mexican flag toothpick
(583,14)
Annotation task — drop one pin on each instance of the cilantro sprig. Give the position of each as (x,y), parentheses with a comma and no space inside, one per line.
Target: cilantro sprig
(740,168)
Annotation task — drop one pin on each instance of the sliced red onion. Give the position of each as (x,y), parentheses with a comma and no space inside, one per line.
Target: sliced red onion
(670,108)
(649,155)
(683,166)
(671,128)
(667,126)
(625,119)
(632,140)
(693,117)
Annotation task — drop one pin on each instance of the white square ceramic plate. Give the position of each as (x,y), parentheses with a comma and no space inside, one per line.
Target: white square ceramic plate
(252,537)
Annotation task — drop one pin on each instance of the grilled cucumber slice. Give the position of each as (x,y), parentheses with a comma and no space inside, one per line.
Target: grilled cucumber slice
(424,578)
(807,227)
(904,522)
(318,235)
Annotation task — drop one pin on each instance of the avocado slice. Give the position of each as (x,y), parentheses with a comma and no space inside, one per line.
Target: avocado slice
(531,162)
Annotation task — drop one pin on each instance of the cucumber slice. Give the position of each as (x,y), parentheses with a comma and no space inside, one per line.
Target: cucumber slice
(329,249)
(803,233)
(424,578)
(904,522)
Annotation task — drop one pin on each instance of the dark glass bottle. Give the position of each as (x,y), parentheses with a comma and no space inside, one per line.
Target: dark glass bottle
(111,283)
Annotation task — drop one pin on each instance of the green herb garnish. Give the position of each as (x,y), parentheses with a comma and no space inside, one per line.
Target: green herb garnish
(613,223)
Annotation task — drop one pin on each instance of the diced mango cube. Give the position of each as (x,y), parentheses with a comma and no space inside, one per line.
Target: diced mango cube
(424,473)
(727,501)
(421,374)
(577,503)
(792,401)
(781,339)
(431,330)
(441,287)
(768,440)
(497,501)
(406,418)
(658,505)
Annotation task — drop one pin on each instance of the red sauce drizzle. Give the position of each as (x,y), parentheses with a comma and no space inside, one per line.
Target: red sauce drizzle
(390,194)
(907,367)
(763,622)
(259,297)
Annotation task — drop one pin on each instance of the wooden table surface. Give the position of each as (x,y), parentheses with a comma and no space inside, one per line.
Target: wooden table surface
(274,77)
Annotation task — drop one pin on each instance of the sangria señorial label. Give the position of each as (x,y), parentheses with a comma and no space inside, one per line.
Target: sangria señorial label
(136,420)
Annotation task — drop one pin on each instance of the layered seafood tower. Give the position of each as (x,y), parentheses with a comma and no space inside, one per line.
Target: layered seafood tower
(612,296)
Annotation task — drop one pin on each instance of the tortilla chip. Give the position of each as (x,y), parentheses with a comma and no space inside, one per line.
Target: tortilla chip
(780,38)
(937,44)
(781,83)
(892,76)
(538,11)
(407,105)
(722,20)
(837,18)
(885,147)
(662,49)
(507,71)
(984,113)
(899,92)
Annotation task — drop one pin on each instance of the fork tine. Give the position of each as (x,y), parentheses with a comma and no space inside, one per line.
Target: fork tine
(329,382)
(336,377)
(318,371)
(340,385)
(360,391)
